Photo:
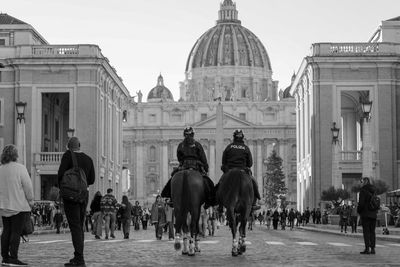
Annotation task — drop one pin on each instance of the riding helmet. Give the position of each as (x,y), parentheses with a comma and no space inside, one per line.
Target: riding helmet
(188,131)
(238,134)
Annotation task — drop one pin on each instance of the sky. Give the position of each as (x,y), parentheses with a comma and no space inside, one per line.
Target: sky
(143,38)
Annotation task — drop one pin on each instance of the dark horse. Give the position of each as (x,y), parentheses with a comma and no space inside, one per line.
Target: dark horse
(235,193)
(187,191)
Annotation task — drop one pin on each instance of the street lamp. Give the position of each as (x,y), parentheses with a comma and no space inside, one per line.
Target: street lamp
(366,106)
(335,133)
(20,106)
(20,140)
(70,132)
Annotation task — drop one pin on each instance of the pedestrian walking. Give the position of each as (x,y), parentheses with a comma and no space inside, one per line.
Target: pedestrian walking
(126,216)
(58,219)
(145,218)
(158,216)
(137,214)
(203,221)
(75,209)
(108,206)
(368,216)
(268,218)
(16,201)
(283,217)
(313,215)
(169,213)
(211,222)
(353,218)
(318,216)
(97,216)
(291,217)
(344,215)
(307,215)
(275,219)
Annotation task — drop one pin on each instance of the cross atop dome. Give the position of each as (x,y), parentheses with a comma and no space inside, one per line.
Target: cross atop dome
(228,12)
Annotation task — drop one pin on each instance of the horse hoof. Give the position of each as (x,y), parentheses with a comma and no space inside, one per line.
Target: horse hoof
(243,249)
(197,250)
(184,252)
(234,254)
(177,246)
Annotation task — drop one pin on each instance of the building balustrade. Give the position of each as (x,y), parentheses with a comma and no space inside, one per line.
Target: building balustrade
(346,49)
(23,51)
(356,155)
(53,158)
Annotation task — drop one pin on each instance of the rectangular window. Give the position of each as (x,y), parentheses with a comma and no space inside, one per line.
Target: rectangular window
(57,130)
(1,144)
(1,111)
(2,42)
(269,116)
(203,116)
(242,116)
(46,124)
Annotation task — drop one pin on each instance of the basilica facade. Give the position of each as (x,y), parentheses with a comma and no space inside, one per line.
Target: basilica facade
(229,65)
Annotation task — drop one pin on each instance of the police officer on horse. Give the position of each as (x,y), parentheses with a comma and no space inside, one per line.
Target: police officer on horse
(191,155)
(238,155)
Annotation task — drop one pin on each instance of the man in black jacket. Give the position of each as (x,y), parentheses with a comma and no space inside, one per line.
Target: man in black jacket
(76,211)
(368,216)
(238,155)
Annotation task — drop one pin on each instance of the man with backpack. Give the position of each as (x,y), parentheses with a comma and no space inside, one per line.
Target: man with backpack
(368,206)
(75,174)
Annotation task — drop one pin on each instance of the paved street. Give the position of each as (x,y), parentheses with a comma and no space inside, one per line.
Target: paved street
(265,248)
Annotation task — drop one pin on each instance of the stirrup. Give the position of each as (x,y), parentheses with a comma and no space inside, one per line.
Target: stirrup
(255,207)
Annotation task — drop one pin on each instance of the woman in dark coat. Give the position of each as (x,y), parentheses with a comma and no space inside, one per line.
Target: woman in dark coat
(275,219)
(158,216)
(126,216)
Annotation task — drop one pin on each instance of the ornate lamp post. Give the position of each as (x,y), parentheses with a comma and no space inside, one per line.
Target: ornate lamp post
(366,106)
(20,140)
(335,134)
(70,132)
(336,176)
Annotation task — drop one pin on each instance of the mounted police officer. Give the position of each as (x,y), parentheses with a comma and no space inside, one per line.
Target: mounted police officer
(238,155)
(191,155)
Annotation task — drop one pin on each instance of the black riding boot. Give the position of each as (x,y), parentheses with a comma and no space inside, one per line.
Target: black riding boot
(256,195)
(166,192)
(209,192)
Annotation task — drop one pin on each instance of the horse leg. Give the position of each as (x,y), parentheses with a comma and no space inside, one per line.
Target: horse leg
(191,247)
(195,231)
(185,244)
(178,234)
(232,223)
(242,238)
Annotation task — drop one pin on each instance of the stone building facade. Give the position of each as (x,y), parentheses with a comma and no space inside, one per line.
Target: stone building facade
(65,87)
(330,87)
(229,65)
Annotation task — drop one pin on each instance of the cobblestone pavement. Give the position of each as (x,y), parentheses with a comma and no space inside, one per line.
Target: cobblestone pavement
(265,248)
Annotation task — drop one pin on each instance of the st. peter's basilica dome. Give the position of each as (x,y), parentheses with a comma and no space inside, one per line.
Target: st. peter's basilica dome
(228,62)
(228,44)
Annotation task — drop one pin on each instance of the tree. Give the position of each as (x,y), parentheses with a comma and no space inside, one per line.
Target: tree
(274,180)
(380,185)
(336,196)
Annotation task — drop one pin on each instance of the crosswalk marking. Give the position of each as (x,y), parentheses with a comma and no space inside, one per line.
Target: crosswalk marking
(275,243)
(306,243)
(50,241)
(209,242)
(339,244)
(113,241)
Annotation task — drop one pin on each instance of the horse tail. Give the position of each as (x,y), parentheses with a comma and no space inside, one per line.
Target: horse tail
(185,193)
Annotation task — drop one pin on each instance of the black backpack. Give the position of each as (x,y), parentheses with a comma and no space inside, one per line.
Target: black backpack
(73,185)
(374,202)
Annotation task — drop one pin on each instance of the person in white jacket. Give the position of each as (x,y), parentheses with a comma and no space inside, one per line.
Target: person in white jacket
(16,200)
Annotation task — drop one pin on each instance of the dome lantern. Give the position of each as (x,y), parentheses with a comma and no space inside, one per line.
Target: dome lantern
(228,12)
